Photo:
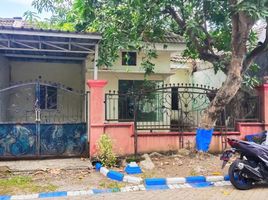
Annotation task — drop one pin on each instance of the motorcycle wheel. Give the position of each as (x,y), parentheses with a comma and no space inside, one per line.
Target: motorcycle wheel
(237,180)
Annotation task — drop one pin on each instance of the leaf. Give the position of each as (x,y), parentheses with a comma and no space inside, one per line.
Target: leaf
(226,193)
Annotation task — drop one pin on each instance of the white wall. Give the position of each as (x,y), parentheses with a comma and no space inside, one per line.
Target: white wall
(162,63)
(209,78)
(67,74)
(180,76)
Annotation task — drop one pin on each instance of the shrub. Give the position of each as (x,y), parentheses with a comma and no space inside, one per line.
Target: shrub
(105,152)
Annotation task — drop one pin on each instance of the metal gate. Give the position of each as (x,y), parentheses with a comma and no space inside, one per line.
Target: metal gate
(42,119)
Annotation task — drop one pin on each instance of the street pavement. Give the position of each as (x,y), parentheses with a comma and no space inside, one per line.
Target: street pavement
(211,193)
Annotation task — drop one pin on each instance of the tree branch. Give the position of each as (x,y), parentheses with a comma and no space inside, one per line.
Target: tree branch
(205,50)
(256,51)
(176,17)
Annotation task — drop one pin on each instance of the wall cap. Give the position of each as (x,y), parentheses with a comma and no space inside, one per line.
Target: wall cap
(96,83)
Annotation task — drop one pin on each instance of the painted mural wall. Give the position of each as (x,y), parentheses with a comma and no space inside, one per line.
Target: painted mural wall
(23,140)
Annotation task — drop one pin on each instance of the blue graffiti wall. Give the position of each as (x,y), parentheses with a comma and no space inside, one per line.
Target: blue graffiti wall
(63,139)
(26,140)
(17,140)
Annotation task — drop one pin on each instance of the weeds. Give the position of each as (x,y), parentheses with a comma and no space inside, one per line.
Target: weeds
(23,184)
(111,185)
(105,151)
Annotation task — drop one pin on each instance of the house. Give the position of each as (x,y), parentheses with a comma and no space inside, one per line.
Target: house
(170,106)
(44,97)
(129,73)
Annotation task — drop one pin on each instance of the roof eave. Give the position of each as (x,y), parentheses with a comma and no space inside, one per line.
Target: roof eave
(48,33)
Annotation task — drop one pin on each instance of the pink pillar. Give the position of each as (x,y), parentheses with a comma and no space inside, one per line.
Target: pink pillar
(96,112)
(263,92)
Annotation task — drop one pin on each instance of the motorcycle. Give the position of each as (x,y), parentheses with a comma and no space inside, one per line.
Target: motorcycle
(252,165)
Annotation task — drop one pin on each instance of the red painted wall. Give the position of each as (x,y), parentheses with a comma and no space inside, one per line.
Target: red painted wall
(122,134)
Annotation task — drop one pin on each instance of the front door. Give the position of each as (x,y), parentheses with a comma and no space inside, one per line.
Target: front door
(42,120)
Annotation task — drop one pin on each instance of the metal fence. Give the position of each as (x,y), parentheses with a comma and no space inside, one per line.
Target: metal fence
(177,108)
(42,120)
(57,104)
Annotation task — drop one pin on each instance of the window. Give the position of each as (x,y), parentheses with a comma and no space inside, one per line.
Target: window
(174,98)
(148,108)
(48,97)
(129,58)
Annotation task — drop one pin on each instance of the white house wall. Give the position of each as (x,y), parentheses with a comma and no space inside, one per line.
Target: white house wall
(209,78)
(180,76)
(162,63)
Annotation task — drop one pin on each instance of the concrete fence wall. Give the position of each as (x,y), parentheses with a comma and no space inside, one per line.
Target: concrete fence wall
(122,134)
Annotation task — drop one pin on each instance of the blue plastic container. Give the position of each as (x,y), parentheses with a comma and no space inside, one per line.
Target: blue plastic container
(203,139)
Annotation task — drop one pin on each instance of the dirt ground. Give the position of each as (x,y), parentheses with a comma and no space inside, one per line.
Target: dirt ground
(181,164)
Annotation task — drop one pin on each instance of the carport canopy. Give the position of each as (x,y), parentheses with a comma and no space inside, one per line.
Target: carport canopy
(48,45)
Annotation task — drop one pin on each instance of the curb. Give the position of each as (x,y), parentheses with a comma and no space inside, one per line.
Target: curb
(188,179)
(124,189)
(117,176)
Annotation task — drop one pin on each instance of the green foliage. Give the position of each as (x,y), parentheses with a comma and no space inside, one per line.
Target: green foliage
(31,16)
(250,80)
(130,24)
(105,151)
(23,184)
(255,8)
(134,159)
(111,185)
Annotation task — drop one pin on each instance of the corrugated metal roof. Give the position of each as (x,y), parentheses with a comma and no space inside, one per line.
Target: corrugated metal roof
(47,30)
(11,24)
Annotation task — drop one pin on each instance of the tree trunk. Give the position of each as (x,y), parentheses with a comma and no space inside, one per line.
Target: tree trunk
(224,95)
(241,26)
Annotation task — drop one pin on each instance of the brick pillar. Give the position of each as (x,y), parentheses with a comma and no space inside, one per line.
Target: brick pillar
(263,93)
(96,112)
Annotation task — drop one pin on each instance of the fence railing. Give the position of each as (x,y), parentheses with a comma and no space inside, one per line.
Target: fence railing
(176,108)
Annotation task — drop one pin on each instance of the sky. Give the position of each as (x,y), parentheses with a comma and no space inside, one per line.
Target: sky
(16,8)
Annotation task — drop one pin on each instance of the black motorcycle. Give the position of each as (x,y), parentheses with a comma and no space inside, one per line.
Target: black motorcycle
(251,167)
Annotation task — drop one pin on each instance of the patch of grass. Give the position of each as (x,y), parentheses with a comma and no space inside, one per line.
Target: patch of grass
(111,185)
(193,173)
(134,159)
(23,184)
(147,174)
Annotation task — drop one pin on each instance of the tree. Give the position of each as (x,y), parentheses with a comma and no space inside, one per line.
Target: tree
(31,16)
(219,32)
